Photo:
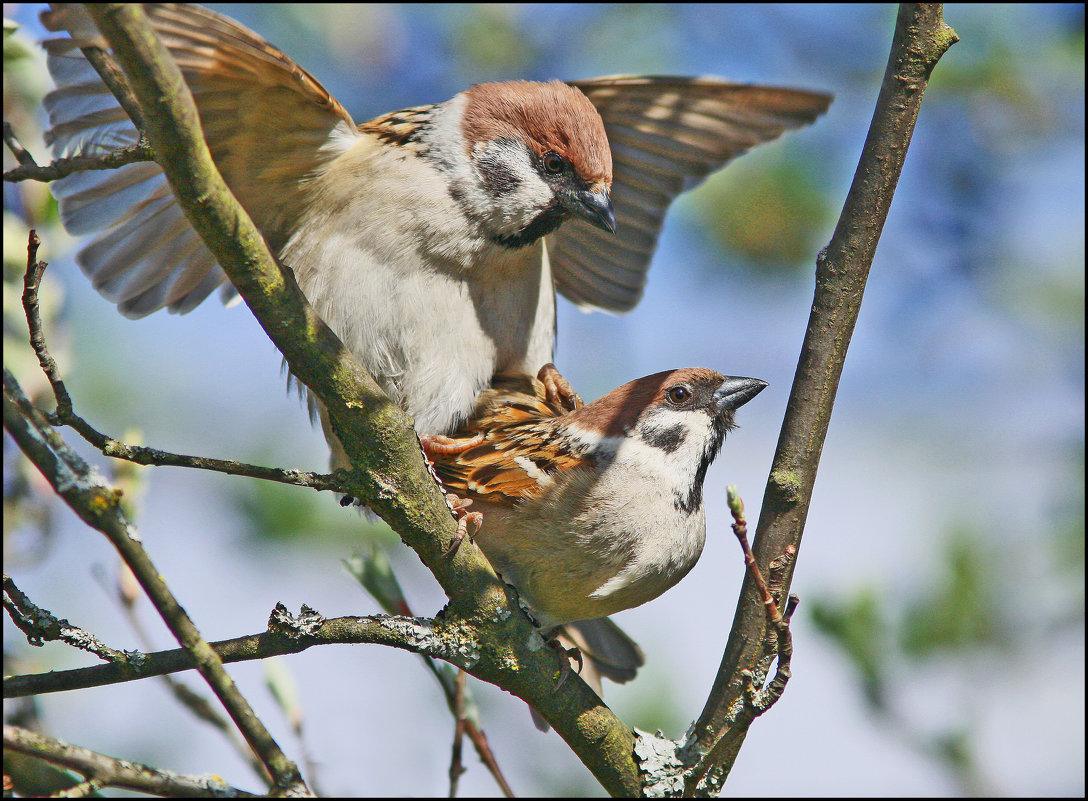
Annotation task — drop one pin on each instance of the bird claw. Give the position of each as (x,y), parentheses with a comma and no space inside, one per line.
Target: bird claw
(436,446)
(568,654)
(557,390)
(459,509)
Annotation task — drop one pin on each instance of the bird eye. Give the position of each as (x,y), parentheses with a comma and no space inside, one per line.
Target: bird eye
(677,395)
(553,162)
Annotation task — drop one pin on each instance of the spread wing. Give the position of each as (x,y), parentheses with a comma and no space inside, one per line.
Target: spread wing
(516,460)
(666,135)
(266,121)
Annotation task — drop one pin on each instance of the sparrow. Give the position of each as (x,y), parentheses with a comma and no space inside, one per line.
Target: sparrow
(430,239)
(591,510)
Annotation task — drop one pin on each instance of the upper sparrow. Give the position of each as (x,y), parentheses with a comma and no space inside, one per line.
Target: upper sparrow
(430,239)
(593,510)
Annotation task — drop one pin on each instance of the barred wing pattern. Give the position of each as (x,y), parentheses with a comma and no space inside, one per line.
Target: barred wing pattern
(265,120)
(515,418)
(666,135)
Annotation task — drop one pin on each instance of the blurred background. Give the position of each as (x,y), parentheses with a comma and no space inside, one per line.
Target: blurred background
(939,645)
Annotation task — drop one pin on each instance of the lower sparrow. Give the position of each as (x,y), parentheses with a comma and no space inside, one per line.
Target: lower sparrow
(590,510)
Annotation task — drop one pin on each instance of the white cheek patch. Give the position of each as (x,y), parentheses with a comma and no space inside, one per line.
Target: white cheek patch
(669,442)
(505,170)
(679,435)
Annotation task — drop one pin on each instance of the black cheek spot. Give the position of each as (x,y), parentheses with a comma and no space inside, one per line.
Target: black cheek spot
(667,439)
(497,176)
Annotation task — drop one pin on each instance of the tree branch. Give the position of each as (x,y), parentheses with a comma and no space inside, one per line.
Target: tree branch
(41,626)
(921,38)
(286,634)
(105,771)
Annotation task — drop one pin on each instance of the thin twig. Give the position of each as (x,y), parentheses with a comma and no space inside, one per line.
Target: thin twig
(456,766)
(116,81)
(98,505)
(41,626)
(60,168)
(106,771)
(376,575)
(32,281)
(22,155)
(470,727)
(740,529)
(779,643)
(65,413)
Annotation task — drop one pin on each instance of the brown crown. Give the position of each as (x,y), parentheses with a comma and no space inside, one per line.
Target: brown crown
(546,116)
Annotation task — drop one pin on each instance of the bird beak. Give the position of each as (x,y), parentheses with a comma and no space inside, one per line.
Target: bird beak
(595,208)
(735,392)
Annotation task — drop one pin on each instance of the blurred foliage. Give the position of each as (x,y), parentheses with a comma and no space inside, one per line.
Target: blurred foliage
(488,40)
(35,778)
(617,25)
(130,478)
(1067,543)
(375,573)
(25,83)
(273,512)
(1019,101)
(959,611)
(771,211)
(656,706)
(857,626)
(282,685)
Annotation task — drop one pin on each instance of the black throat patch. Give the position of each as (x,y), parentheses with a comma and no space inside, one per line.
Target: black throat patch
(690,501)
(541,225)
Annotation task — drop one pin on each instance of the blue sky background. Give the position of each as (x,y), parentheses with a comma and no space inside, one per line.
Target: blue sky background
(958,428)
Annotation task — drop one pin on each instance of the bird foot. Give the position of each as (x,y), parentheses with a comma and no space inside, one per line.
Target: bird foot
(557,390)
(465,519)
(436,446)
(569,655)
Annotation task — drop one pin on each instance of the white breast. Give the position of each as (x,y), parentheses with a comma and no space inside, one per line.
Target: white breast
(384,256)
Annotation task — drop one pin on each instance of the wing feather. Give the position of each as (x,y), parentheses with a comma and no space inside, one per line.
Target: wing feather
(515,461)
(266,121)
(666,135)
